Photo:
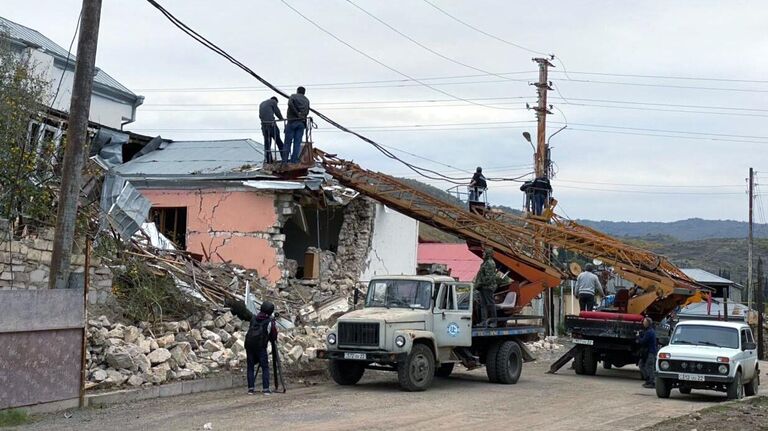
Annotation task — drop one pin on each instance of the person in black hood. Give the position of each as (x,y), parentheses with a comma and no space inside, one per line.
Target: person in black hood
(261,331)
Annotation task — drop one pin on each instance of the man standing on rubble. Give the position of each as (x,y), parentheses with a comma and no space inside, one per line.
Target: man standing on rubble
(268,110)
(485,285)
(587,286)
(261,331)
(298,110)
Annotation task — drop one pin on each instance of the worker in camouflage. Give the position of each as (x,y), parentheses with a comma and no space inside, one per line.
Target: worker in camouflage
(485,285)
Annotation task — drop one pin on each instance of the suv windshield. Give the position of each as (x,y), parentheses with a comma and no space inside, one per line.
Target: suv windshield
(399,294)
(705,335)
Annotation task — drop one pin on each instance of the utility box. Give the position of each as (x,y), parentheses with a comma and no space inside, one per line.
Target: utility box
(311,265)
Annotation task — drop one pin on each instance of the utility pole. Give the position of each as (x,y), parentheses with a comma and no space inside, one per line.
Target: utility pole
(541,158)
(760,309)
(77,143)
(749,240)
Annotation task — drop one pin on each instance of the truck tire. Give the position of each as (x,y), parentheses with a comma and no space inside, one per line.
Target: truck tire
(346,373)
(663,387)
(418,370)
(509,363)
(578,361)
(751,388)
(490,362)
(585,362)
(736,388)
(444,370)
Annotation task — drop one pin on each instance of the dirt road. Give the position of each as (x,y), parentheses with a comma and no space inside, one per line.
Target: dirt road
(614,400)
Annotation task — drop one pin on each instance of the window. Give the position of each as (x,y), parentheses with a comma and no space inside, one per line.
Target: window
(706,335)
(464,296)
(749,336)
(445,301)
(399,294)
(171,222)
(744,337)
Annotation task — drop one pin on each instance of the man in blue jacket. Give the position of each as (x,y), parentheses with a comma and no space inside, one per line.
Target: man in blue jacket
(648,349)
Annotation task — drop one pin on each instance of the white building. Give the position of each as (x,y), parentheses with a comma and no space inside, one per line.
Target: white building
(112,104)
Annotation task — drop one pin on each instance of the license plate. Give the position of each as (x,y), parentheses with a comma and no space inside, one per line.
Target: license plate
(584,342)
(357,356)
(692,377)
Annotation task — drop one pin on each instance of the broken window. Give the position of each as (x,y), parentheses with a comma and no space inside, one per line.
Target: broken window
(171,222)
(311,227)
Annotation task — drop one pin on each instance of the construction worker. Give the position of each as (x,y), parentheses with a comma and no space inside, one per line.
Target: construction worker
(485,285)
(261,332)
(477,186)
(587,286)
(268,110)
(538,191)
(298,110)
(648,348)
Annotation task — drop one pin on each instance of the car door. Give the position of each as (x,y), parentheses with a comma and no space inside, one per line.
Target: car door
(749,357)
(453,315)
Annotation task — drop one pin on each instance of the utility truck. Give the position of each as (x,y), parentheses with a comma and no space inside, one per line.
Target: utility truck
(421,327)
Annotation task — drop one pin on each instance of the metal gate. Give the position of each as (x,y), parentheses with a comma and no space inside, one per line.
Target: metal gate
(41,346)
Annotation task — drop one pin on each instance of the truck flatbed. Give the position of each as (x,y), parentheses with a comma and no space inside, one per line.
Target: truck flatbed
(510,330)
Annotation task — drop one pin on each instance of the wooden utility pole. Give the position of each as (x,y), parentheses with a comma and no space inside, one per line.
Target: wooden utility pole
(542,151)
(77,144)
(750,285)
(760,309)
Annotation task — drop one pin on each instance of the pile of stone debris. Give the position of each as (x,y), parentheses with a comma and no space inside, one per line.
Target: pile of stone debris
(144,355)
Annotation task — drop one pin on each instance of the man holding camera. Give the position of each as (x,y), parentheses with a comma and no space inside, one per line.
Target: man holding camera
(261,332)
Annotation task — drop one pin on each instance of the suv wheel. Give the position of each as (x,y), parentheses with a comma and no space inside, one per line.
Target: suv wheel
(736,388)
(751,388)
(418,370)
(346,373)
(663,387)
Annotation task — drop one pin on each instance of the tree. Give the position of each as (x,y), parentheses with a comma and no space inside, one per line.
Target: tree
(24,171)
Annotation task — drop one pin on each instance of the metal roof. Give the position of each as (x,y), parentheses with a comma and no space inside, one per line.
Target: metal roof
(235,158)
(704,277)
(463,263)
(29,36)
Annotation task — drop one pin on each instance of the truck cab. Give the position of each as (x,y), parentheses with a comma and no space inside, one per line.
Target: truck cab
(420,327)
(713,355)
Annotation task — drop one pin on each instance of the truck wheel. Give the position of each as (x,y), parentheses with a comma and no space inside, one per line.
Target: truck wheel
(490,362)
(444,370)
(736,388)
(346,373)
(590,361)
(418,370)
(509,363)
(663,387)
(578,361)
(751,388)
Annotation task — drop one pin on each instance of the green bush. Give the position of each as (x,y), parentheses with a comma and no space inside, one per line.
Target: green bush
(13,417)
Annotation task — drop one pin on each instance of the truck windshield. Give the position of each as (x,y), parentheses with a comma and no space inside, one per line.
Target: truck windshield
(705,335)
(399,294)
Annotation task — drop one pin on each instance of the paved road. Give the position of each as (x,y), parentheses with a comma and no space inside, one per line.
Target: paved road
(613,400)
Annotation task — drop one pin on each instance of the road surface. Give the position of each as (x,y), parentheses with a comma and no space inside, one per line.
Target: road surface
(613,400)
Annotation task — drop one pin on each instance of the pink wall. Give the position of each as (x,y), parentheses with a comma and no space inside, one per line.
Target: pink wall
(234,224)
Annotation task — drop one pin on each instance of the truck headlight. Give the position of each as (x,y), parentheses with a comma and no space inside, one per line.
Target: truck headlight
(399,341)
(331,338)
(723,369)
(664,365)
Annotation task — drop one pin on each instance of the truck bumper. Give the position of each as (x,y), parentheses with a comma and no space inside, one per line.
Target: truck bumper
(707,378)
(363,356)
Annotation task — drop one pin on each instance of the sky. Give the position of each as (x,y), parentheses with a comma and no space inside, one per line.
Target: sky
(664,101)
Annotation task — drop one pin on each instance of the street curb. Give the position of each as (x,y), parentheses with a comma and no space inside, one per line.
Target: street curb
(167,390)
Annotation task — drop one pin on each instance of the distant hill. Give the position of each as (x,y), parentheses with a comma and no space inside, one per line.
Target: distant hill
(684,230)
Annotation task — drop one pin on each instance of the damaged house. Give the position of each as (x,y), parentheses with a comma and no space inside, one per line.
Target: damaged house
(215,200)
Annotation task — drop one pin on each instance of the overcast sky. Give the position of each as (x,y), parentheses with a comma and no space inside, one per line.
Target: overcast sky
(627,154)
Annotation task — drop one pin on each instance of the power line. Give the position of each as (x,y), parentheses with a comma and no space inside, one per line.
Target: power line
(664,130)
(638,84)
(651,185)
(353,102)
(688,78)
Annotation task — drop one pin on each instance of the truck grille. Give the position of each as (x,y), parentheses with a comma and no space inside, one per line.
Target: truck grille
(694,367)
(358,334)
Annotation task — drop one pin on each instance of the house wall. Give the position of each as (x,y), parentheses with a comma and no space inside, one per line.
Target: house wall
(237,226)
(394,244)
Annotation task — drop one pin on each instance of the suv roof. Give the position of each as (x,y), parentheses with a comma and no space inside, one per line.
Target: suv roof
(734,325)
(429,278)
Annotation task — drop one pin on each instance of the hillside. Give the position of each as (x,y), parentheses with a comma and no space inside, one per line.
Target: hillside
(683,230)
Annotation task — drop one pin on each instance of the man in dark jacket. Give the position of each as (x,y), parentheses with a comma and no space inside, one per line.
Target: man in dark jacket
(648,349)
(261,331)
(268,110)
(477,186)
(485,285)
(298,110)
(538,192)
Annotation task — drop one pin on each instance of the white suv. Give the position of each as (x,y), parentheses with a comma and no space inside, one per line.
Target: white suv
(713,355)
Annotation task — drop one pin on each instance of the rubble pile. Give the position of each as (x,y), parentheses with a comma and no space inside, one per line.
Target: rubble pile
(121,355)
(549,343)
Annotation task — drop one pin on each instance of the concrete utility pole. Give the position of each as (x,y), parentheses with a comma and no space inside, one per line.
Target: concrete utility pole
(760,309)
(76,146)
(541,158)
(749,240)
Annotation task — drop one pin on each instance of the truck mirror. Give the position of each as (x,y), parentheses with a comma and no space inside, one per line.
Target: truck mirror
(749,346)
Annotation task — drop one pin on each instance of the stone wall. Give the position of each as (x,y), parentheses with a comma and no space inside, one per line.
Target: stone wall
(25,264)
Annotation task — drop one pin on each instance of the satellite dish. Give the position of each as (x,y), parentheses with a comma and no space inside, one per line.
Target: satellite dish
(597,262)
(575,268)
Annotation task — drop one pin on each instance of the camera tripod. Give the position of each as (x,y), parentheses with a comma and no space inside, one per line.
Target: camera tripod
(277,367)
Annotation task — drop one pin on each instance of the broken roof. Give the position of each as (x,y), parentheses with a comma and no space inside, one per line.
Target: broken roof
(224,159)
(34,38)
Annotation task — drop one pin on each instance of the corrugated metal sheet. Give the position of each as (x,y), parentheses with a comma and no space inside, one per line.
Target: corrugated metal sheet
(704,277)
(463,263)
(236,158)
(30,36)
